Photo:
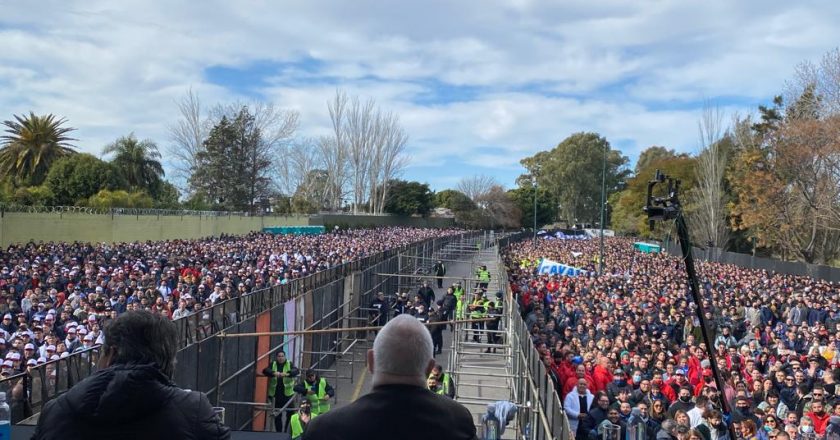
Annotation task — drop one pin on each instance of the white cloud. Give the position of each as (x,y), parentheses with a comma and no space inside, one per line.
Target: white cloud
(523,74)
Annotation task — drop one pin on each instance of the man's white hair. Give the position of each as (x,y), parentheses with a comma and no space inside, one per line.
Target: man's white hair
(402,348)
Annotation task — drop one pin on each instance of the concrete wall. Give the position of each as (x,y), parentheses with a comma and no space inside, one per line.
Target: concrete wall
(17,227)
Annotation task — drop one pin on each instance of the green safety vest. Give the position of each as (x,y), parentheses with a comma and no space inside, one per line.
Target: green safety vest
(459,304)
(288,382)
(481,311)
(319,406)
(297,427)
(484,276)
(444,389)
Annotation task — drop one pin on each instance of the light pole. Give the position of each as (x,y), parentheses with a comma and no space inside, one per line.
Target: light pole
(534,185)
(603,209)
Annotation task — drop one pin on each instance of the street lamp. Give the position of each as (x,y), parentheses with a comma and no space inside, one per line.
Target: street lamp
(534,185)
(603,209)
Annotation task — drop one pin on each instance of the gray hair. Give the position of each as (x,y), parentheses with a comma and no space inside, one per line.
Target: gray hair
(402,348)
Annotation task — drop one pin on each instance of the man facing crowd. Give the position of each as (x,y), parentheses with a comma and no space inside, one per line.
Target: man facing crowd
(400,406)
(281,386)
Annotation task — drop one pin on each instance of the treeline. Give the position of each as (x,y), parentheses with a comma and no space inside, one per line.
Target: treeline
(236,156)
(767,183)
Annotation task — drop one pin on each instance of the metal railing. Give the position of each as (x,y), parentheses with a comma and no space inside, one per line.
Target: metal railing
(28,391)
(532,384)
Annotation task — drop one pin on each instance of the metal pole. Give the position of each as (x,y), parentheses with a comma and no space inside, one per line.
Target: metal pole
(603,209)
(534,243)
(685,245)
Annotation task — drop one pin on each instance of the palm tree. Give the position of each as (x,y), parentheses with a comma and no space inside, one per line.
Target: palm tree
(31,145)
(138,162)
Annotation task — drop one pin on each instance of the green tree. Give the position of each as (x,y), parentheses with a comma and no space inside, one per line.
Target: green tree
(168,196)
(653,154)
(408,198)
(572,172)
(626,205)
(523,197)
(232,168)
(120,199)
(33,196)
(31,145)
(138,162)
(454,200)
(75,178)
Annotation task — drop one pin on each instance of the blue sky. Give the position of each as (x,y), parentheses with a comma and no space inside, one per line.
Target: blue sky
(478,85)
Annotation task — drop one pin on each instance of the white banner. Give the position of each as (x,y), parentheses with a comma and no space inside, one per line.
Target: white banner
(549,267)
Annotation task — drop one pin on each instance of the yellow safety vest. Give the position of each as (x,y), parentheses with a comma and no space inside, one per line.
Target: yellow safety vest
(319,406)
(297,427)
(288,382)
(480,311)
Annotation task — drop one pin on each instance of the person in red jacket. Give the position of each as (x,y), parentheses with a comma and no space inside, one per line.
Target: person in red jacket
(819,416)
(580,373)
(601,375)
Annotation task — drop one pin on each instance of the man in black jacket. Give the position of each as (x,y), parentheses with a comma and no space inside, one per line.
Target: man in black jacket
(133,396)
(427,294)
(400,405)
(439,270)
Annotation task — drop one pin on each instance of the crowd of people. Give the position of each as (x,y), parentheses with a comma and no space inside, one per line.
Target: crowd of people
(54,297)
(626,353)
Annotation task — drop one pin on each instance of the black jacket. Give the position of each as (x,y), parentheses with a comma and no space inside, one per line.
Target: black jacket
(129,402)
(403,412)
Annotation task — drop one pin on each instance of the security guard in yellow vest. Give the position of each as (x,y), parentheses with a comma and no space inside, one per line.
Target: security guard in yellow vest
(443,382)
(317,391)
(458,291)
(301,419)
(477,310)
(281,386)
(483,278)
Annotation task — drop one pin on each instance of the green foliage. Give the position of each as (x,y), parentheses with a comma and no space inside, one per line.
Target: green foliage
(120,199)
(75,178)
(31,145)
(651,155)
(454,200)
(33,196)
(303,205)
(572,172)
(408,198)
(167,196)
(523,197)
(232,168)
(282,205)
(197,202)
(626,206)
(138,162)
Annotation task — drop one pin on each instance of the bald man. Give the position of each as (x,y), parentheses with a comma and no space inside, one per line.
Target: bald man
(400,405)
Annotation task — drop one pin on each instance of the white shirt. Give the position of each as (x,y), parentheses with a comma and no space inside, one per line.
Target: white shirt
(695,416)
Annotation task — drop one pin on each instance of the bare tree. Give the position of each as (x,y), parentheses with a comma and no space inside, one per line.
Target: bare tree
(297,160)
(186,136)
(361,131)
(365,152)
(390,160)
(823,77)
(476,186)
(709,220)
(276,125)
(498,209)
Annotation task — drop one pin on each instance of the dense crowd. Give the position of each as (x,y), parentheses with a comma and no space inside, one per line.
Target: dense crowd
(55,296)
(625,349)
